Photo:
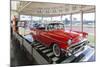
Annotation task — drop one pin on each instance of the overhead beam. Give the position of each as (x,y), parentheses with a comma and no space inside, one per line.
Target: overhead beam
(24,6)
(64,10)
(57,14)
(14,10)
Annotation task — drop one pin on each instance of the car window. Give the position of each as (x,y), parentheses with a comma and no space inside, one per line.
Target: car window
(55,26)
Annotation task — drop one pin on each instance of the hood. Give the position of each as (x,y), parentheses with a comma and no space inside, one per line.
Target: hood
(64,34)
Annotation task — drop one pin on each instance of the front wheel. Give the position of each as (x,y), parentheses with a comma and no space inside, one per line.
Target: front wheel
(56,50)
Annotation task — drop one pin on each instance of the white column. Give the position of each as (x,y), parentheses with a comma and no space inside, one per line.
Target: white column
(31,18)
(61,18)
(82,21)
(94,24)
(19,16)
(51,19)
(71,21)
(42,18)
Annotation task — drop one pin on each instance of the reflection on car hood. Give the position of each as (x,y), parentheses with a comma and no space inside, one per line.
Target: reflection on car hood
(64,33)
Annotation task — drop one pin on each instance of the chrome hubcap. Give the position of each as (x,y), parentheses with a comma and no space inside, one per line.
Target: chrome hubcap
(56,50)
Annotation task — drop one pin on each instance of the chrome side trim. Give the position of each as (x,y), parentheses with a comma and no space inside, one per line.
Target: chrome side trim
(84,40)
(78,47)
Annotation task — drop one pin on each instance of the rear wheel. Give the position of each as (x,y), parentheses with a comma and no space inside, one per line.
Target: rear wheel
(56,50)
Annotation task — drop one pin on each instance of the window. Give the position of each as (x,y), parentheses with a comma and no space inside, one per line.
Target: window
(55,26)
(36,18)
(46,19)
(25,17)
(66,21)
(57,18)
(89,26)
(76,22)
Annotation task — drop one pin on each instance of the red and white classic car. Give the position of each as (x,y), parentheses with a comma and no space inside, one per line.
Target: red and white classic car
(60,40)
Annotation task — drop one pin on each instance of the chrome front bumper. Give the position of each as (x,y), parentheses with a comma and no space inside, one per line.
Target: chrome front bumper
(75,48)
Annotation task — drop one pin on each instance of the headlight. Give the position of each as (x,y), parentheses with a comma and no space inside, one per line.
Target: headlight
(86,36)
(69,41)
(81,37)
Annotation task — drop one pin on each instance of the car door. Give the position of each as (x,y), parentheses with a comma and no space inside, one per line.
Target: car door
(45,38)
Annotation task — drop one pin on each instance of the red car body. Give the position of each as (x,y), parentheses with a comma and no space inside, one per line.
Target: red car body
(58,36)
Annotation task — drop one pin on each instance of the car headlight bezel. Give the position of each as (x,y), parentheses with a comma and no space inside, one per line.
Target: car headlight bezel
(69,42)
(81,36)
(86,36)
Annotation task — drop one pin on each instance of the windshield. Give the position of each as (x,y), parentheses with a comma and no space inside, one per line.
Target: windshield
(55,26)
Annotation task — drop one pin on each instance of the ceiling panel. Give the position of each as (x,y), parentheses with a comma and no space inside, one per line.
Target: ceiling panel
(51,9)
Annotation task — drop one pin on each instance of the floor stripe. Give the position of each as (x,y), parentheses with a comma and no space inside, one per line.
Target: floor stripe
(47,50)
(42,48)
(49,54)
(39,46)
(54,59)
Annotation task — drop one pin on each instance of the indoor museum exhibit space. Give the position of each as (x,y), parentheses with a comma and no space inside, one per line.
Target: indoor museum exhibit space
(51,33)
